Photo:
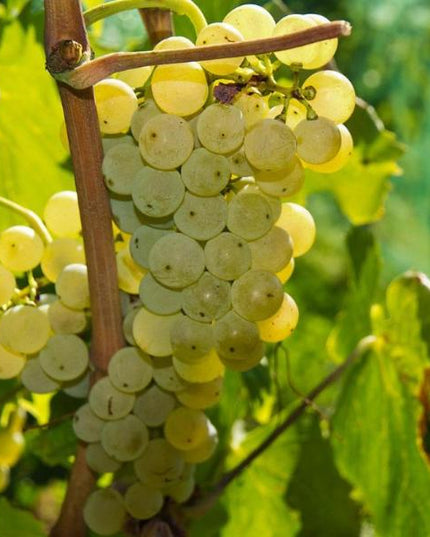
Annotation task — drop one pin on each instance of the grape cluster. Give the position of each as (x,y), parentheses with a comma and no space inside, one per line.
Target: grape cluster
(201,161)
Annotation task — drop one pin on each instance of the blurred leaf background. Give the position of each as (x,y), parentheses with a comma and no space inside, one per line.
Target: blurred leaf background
(313,481)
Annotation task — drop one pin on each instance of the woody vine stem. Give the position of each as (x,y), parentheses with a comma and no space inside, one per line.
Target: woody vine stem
(68,55)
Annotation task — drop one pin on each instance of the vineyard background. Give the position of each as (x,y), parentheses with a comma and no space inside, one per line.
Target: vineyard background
(360,442)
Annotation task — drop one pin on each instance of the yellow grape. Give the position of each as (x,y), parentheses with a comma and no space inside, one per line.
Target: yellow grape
(300,225)
(282,324)
(341,157)
(24,329)
(204,370)
(186,428)
(60,253)
(136,78)
(61,214)
(130,273)
(21,248)
(285,274)
(116,102)
(11,363)
(216,34)
(326,49)
(7,285)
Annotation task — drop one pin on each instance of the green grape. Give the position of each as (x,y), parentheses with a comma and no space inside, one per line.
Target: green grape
(152,332)
(252,21)
(275,203)
(86,425)
(166,141)
(61,214)
(11,447)
(326,49)
(11,363)
(205,173)
(256,295)
(269,145)
(236,338)
(201,218)
(239,165)
(64,320)
(116,103)
(174,42)
(201,396)
(21,248)
(227,256)
(24,329)
(206,369)
(120,165)
(245,364)
(207,299)
(219,33)
(125,214)
(58,254)
(142,241)
(205,451)
(7,285)
(341,157)
(143,502)
(335,95)
(190,339)
(182,489)
(176,260)
(295,113)
(249,215)
(125,439)
(166,377)
(129,272)
(107,402)
(272,251)
(157,298)
(157,193)
(4,478)
(180,88)
(65,357)
(186,428)
(130,370)
(127,325)
(285,274)
(282,323)
(304,55)
(112,140)
(254,107)
(136,78)
(72,286)
(153,406)
(34,378)
(318,140)
(221,128)
(160,464)
(282,183)
(78,388)
(300,225)
(145,112)
(99,461)
(104,512)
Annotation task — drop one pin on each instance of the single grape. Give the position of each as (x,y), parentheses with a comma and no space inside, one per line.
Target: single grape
(152,332)
(136,78)
(157,298)
(130,370)
(120,165)
(207,299)
(273,251)
(7,285)
(24,329)
(282,323)
(205,451)
(205,173)
(236,338)
(64,320)
(208,368)
(300,225)
(304,55)
(130,273)
(252,21)
(60,253)
(215,34)
(34,378)
(125,439)
(64,357)
(146,111)
(191,340)
(116,103)
(142,241)
(21,248)
(318,140)
(282,183)
(72,286)
(104,512)
(342,156)
(285,274)
(160,464)
(87,426)
(99,461)
(254,107)
(186,428)
(249,215)
(221,128)
(227,256)
(201,218)
(107,402)
(143,502)
(11,363)
(61,214)
(153,406)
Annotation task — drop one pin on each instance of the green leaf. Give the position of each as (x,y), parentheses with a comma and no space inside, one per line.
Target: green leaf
(256,499)
(54,446)
(32,158)
(322,514)
(354,322)
(377,450)
(18,523)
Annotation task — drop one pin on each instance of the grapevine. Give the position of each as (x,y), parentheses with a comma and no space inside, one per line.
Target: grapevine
(199,164)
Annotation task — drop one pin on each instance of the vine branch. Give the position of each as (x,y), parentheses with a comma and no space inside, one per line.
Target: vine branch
(206,502)
(91,72)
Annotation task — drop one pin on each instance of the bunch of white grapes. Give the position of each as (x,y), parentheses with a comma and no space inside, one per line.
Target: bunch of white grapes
(201,169)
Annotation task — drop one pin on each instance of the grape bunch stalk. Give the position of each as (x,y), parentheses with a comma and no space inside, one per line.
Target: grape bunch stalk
(202,161)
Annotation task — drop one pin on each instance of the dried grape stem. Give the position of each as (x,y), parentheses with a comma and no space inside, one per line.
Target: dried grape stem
(64,22)
(91,72)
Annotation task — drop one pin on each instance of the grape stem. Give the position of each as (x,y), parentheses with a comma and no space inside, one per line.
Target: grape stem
(158,23)
(89,73)
(32,218)
(181,7)
(203,504)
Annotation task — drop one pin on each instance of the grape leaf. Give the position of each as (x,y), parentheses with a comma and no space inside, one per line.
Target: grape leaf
(376,448)
(32,158)
(322,514)
(18,523)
